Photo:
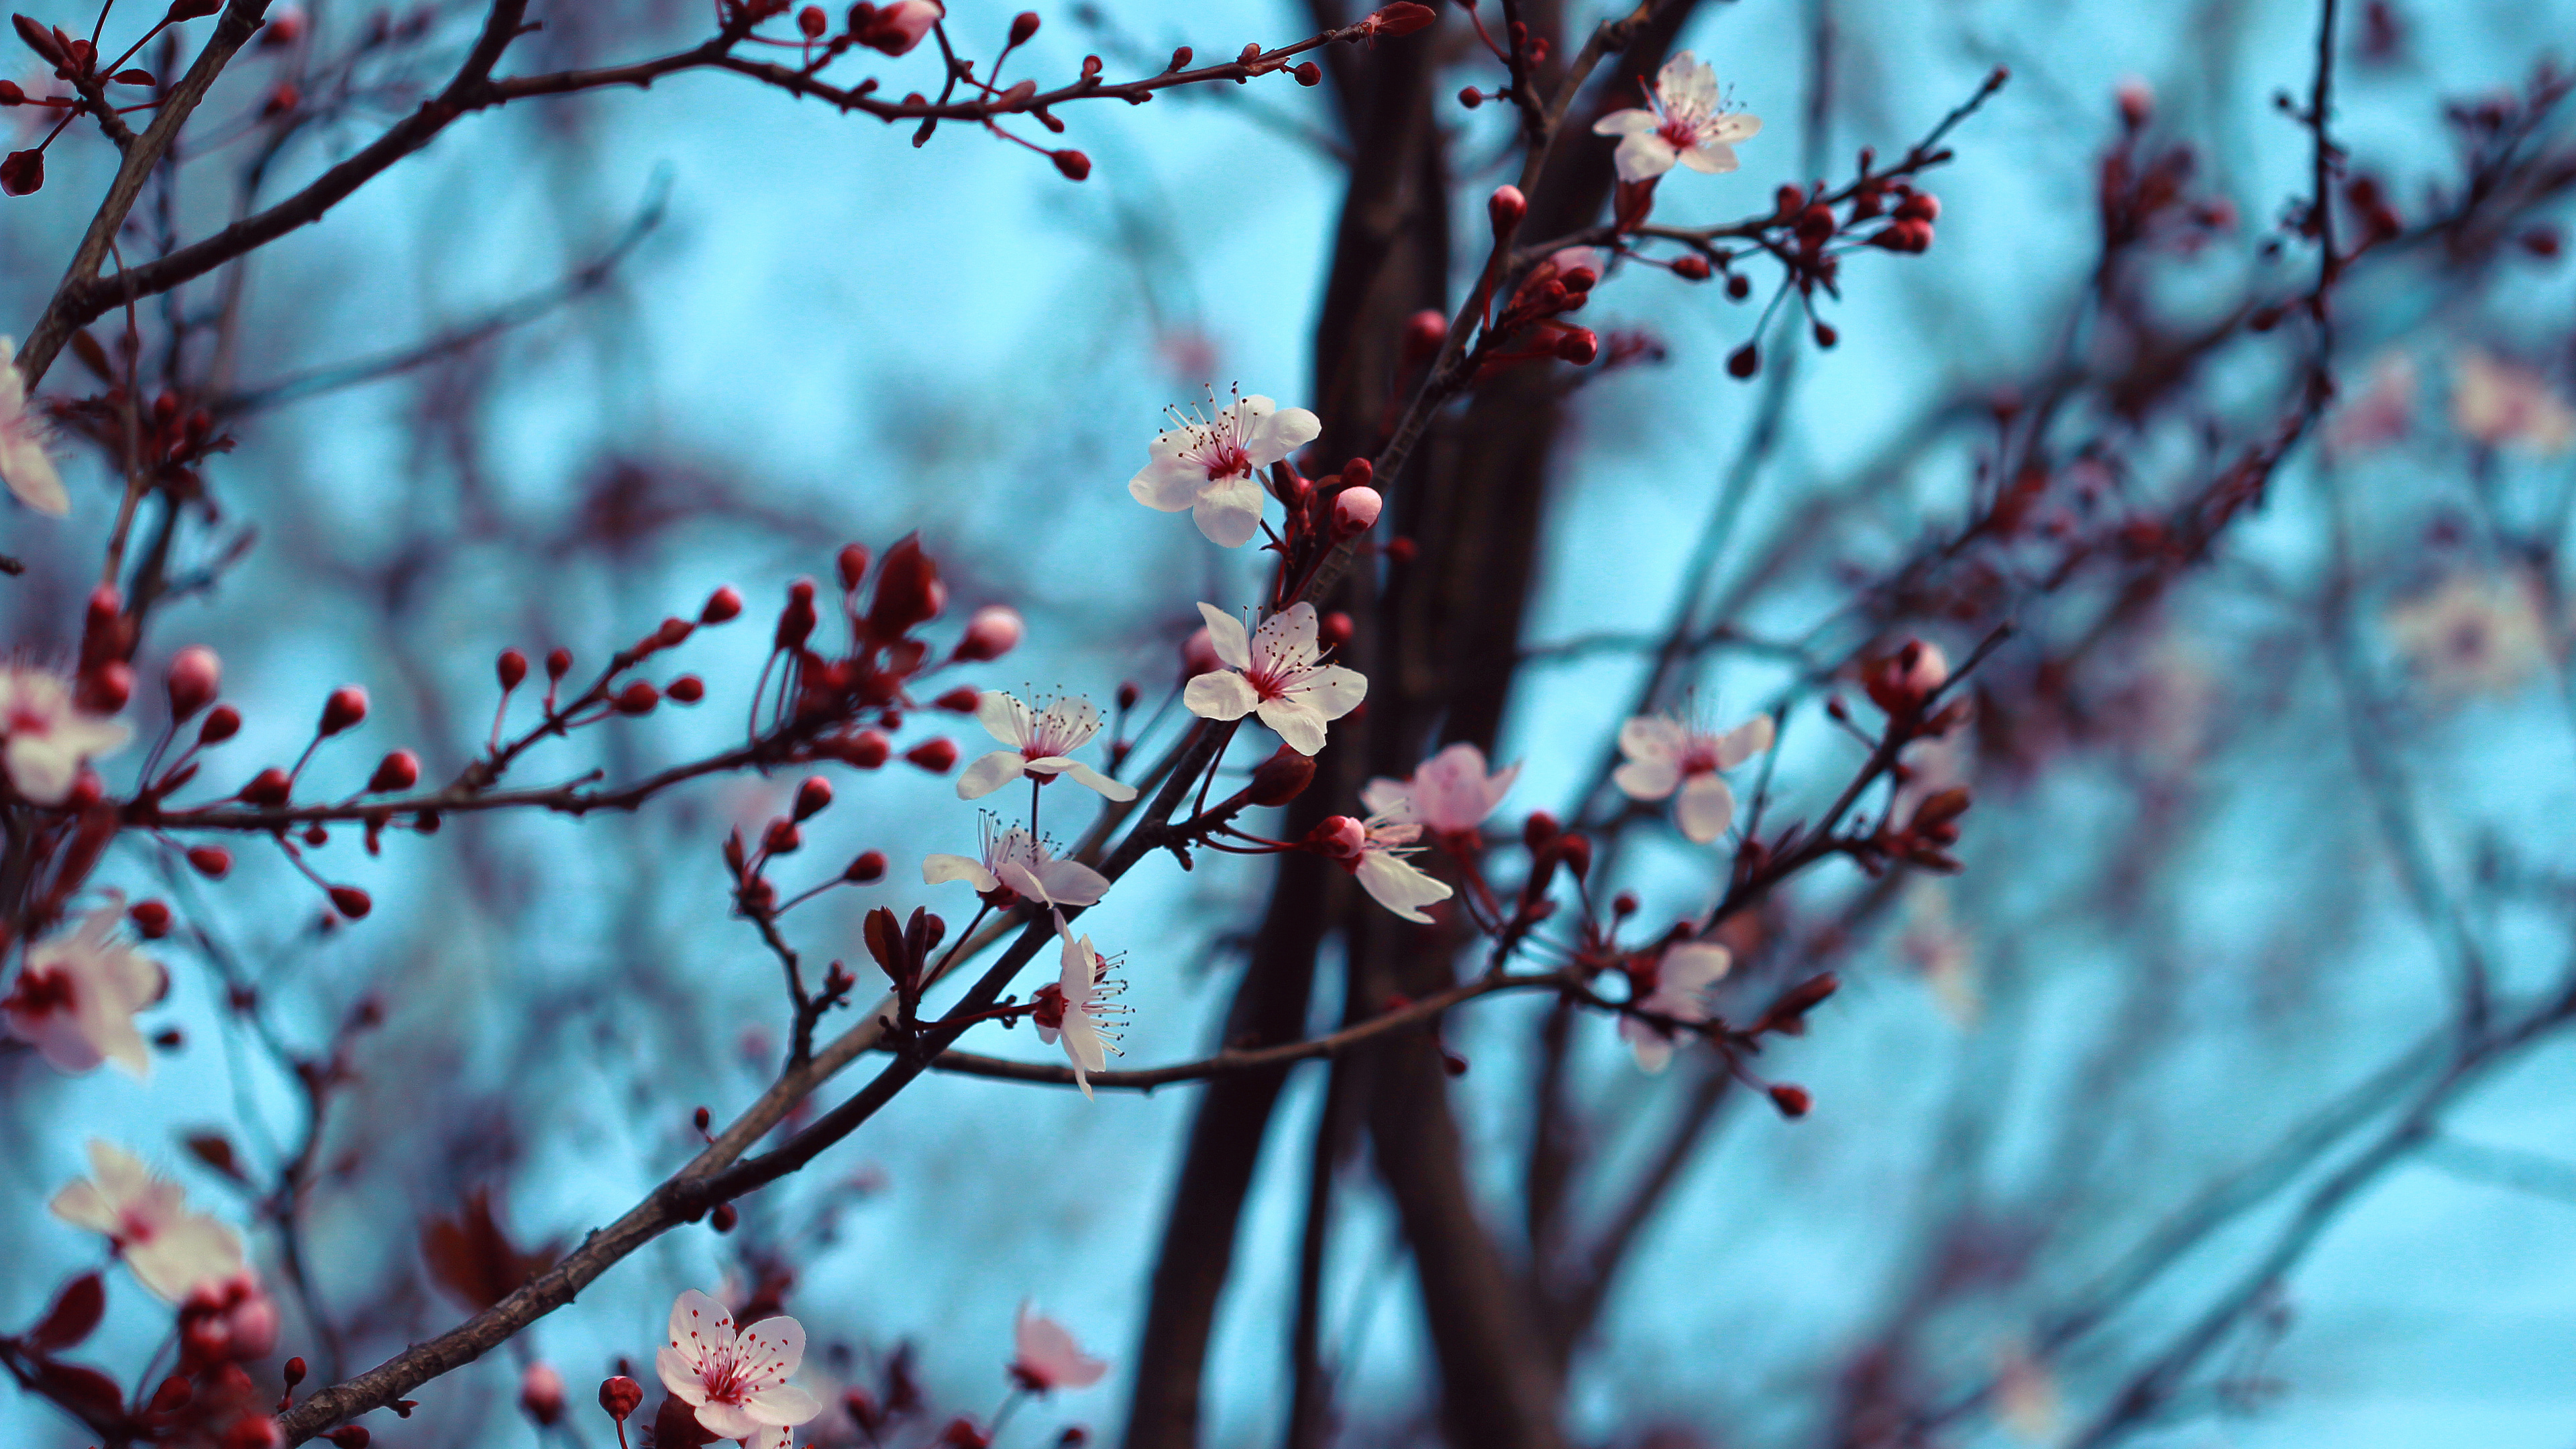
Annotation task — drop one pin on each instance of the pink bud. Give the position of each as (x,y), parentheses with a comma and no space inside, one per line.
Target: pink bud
(220,726)
(994,631)
(1506,208)
(345,708)
(1355,511)
(1338,837)
(510,668)
(1198,655)
(400,771)
(721,605)
(541,1393)
(195,675)
(813,797)
(937,756)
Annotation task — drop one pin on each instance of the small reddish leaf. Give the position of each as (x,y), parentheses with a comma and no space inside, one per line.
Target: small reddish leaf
(22,173)
(132,77)
(74,1314)
(474,1260)
(216,1151)
(86,1392)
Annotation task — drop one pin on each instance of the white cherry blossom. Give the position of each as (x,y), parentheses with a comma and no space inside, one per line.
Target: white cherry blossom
(737,1382)
(1665,755)
(1374,851)
(77,993)
(45,736)
(1016,866)
(1450,793)
(1276,673)
(1212,466)
(1685,123)
(24,464)
(1039,744)
(1079,1008)
(1045,1356)
(1682,980)
(2504,404)
(172,1251)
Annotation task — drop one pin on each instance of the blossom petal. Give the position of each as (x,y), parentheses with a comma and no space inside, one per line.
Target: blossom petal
(1111,789)
(1652,1049)
(1383,796)
(1071,883)
(186,1255)
(1745,741)
(1228,510)
(1709,158)
(1647,779)
(1167,485)
(768,1352)
(1222,695)
(991,773)
(1689,969)
(1331,690)
(1705,809)
(1005,718)
(1643,157)
(1652,737)
(1730,127)
(1687,82)
(1226,635)
(679,1375)
(1395,884)
(783,1406)
(1625,123)
(940,868)
(726,1421)
(1300,724)
(82,1205)
(698,1324)
(1280,434)
(29,471)
(1287,636)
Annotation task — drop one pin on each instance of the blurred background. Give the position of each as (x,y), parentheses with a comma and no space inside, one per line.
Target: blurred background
(2154,1124)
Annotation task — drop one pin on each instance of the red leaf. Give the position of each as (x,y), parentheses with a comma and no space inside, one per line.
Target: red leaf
(74,1314)
(216,1151)
(86,1392)
(22,172)
(474,1260)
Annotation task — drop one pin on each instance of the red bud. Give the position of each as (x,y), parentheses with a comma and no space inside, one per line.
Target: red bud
(1402,18)
(221,725)
(195,675)
(619,1396)
(1023,25)
(813,797)
(1355,510)
(269,787)
(687,689)
(852,563)
(1792,1101)
(345,708)
(1691,268)
(512,667)
(400,771)
(1744,361)
(1281,778)
(994,631)
(637,698)
(558,664)
(23,173)
(351,902)
(869,866)
(937,756)
(1072,163)
(211,861)
(1505,209)
(722,605)
(151,919)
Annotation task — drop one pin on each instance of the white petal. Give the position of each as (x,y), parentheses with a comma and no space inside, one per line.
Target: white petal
(1731,127)
(1281,434)
(1111,789)
(1690,968)
(769,1352)
(1300,724)
(1710,158)
(1647,779)
(1288,633)
(1069,723)
(1653,1050)
(1228,511)
(679,1375)
(1071,883)
(698,1323)
(1652,737)
(1644,156)
(1167,485)
(1222,695)
(1705,809)
(1383,796)
(1004,718)
(991,773)
(1751,738)
(938,869)
(1331,691)
(1226,635)
(726,1421)
(783,1406)
(32,479)
(1396,885)
(1625,123)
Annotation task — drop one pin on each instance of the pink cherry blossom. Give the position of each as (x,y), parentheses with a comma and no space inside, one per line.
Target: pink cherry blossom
(2474,633)
(77,993)
(1212,466)
(736,1382)
(1079,1007)
(1016,866)
(172,1251)
(1374,851)
(2504,404)
(1680,993)
(24,464)
(1685,123)
(227,1319)
(1040,743)
(1045,1357)
(1276,673)
(1449,794)
(1665,755)
(45,737)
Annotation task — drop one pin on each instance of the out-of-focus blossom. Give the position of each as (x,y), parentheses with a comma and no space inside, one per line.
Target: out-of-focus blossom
(541,1392)
(172,1251)
(78,991)
(1450,793)
(2475,633)
(2026,1397)
(227,1320)
(24,464)
(45,736)
(896,28)
(1685,123)
(1374,851)
(2504,404)
(1666,755)
(1212,466)
(1016,867)
(1078,1007)
(1935,945)
(1277,673)
(2381,413)
(1040,743)
(1045,1357)
(1680,993)
(737,1382)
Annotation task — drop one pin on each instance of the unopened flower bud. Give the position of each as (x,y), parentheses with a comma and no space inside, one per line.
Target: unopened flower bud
(541,1388)
(1576,852)
(269,787)
(1471,98)
(852,565)
(351,902)
(1792,1101)
(870,865)
(1424,331)
(1540,831)
(1307,73)
(1692,267)
(1128,694)
(1738,288)
(637,698)
(866,750)
(2137,102)
(1355,511)
(796,620)
(897,28)
(724,1217)
(687,689)
(673,632)
(1744,361)
(813,797)
(345,708)
(1334,629)
(398,771)
(1826,336)
(1281,778)
(151,919)
(1578,346)
(908,590)
(1337,837)
(109,687)
(721,606)
(1072,163)
(221,724)
(619,1395)
(558,663)
(961,700)
(993,631)
(937,756)
(1505,209)
(782,837)
(511,668)
(1023,25)
(195,675)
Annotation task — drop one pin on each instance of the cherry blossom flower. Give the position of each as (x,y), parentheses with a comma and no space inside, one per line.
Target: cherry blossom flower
(1374,851)
(1449,794)
(1680,993)
(24,464)
(45,737)
(172,1251)
(1685,124)
(1045,1357)
(1039,745)
(2380,414)
(1079,1006)
(1276,673)
(2474,634)
(2502,404)
(1212,466)
(1665,755)
(737,1382)
(78,991)
(1015,867)
(227,1319)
